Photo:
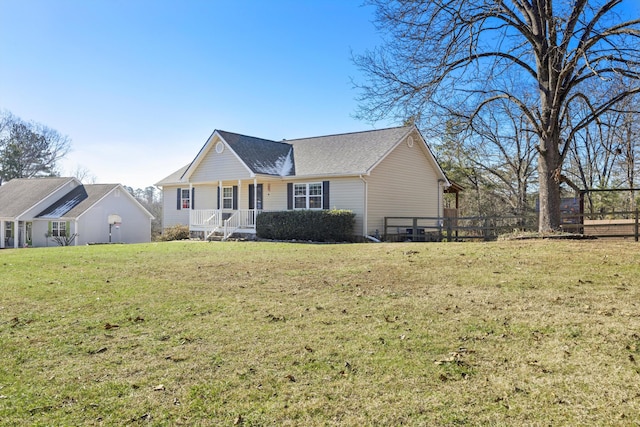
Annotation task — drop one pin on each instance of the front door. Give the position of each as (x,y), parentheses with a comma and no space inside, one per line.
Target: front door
(257,197)
(28,233)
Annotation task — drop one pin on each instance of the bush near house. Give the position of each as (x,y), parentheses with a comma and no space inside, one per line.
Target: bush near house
(177,232)
(319,226)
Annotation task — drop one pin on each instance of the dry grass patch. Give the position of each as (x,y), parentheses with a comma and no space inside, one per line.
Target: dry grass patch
(507,333)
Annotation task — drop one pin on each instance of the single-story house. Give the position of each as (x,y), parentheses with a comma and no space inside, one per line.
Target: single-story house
(375,174)
(54,211)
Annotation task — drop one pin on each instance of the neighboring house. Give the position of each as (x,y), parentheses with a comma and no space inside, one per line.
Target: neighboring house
(375,174)
(45,211)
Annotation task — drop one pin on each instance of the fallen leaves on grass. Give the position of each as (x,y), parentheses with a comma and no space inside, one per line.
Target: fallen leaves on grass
(15,322)
(98,351)
(274,318)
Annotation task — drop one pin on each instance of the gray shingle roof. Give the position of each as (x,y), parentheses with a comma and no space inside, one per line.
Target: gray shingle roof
(174,177)
(350,153)
(77,201)
(19,195)
(342,154)
(262,156)
(95,192)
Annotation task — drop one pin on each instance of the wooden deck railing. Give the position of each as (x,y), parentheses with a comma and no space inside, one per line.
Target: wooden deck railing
(620,225)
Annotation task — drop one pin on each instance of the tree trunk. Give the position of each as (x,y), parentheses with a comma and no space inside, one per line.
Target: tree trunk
(549,197)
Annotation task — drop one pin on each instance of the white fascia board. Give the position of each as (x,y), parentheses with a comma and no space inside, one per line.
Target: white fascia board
(318,176)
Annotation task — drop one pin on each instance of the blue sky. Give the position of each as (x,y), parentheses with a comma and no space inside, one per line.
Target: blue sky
(139,85)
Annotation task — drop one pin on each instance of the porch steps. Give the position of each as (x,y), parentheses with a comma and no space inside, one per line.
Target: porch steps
(218,236)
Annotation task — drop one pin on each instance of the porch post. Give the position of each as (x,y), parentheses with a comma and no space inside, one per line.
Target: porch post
(75,239)
(220,204)
(2,226)
(16,234)
(255,198)
(239,193)
(190,205)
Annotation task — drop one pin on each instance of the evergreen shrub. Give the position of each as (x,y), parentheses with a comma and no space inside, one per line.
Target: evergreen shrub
(316,225)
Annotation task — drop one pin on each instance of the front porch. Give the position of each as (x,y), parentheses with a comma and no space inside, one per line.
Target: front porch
(223,222)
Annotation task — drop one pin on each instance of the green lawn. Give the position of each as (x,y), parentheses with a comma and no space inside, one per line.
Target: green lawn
(190,333)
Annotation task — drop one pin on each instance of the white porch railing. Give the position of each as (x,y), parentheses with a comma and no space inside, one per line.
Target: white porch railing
(231,224)
(205,217)
(225,220)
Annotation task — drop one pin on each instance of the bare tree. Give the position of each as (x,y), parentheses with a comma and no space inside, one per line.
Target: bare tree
(439,54)
(603,154)
(502,146)
(84,175)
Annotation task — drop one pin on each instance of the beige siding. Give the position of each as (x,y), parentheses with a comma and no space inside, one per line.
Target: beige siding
(344,193)
(348,193)
(275,196)
(219,166)
(206,197)
(170,214)
(405,183)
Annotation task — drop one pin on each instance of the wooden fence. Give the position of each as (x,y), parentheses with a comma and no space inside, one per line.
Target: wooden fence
(613,225)
(618,225)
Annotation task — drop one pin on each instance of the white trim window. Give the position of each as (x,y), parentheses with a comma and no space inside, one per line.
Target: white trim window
(307,196)
(227,197)
(58,228)
(185,200)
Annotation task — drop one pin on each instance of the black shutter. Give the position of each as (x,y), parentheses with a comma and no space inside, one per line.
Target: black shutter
(235,197)
(218,198)
(193,197)
(179,205)
(325,195)
(259,197)
(290,195)
(251,191)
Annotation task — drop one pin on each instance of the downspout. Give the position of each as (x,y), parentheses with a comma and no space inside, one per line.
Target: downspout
(440,207)
(366,202)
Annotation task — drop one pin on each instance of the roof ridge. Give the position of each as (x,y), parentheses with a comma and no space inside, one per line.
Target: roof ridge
(349,133)
(249,136)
